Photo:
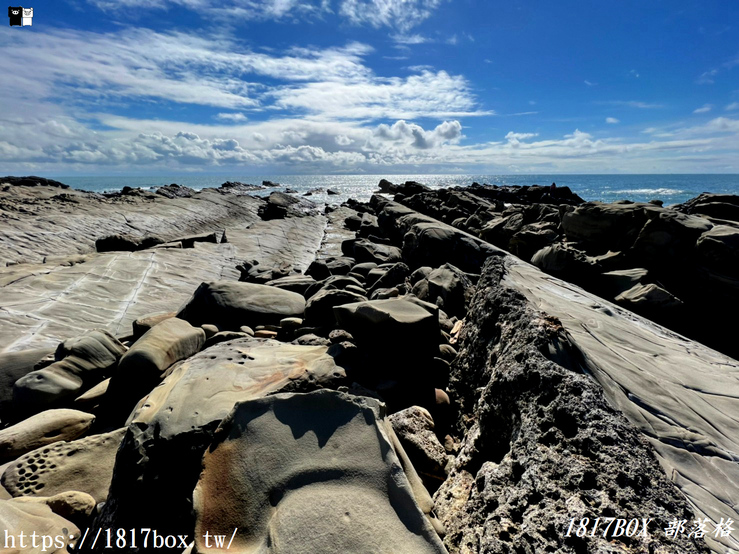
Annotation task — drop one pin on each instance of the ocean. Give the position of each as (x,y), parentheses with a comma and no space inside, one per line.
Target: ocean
(671,189)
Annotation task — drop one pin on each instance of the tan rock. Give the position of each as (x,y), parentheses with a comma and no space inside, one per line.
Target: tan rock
(54,534)
(84,465)
(41,429)
(74,506)
(141,368)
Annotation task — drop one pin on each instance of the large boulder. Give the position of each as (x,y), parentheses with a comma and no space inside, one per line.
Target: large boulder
(601,227)
(414,428)
(719,248)
(231,304)
(84,465)
(449,288)
(141,368)
(82,363)
(175,423)
(24,524)
(319,307)
(363,250)
(41,429)
(307,473)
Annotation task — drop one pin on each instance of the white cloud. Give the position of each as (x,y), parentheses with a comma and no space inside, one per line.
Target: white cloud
(417,137)
(707,78)
(589,83)
(452,40)
(733,106)
(401,14)
(632,104)
(235,117)
(405,40)
(511,136)
(612,120)
(703,109)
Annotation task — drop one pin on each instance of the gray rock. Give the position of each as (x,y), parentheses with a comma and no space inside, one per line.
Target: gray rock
(325,477)
(141,368)
(82,363)
(414,427)
(542,443)
(319,309)
(175,423)
(230,304)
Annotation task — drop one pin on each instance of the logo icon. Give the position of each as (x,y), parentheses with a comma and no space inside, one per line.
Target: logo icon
(20,16)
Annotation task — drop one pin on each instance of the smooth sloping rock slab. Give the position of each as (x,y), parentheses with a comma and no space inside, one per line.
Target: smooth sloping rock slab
(307,473)
(683,396)
(174,424)
(41,429)
(84,465)
(52,533)
(42,304)
(233,304)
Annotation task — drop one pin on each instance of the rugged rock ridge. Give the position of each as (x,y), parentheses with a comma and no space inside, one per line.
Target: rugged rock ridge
(525,403)
(541,444)
(675,265)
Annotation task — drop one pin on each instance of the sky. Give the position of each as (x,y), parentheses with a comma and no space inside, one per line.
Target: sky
(103,87)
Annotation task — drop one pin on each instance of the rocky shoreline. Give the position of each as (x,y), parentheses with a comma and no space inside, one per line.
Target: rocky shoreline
(390,376)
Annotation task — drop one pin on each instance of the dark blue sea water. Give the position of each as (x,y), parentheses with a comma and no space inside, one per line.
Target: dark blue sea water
(671,189)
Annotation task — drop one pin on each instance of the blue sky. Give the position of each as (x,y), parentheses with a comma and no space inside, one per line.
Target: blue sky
(371,86)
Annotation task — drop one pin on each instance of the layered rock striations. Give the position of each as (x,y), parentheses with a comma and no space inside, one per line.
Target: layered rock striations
(300,382)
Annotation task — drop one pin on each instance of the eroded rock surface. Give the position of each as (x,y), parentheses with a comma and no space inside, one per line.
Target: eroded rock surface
(175,423)
(306,473)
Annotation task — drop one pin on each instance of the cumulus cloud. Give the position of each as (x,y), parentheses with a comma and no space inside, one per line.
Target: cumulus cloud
(417,137)
(612,120)
(733,106)
(235,117)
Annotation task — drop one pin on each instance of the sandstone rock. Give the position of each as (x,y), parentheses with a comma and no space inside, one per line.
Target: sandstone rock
(614,283)
(141,368)
(231,304)
(209,330)
(74,506)
(41,429)
(84,465)
(143,324)
(392,276)
(125,243)
(364,250)
(223,336)
(719,247)
(13,366)
(51,531)
(603,227)
(294,283)
(325,477)
(319,309)
(650,300)
(174,424)
(82,362)
(90,400)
